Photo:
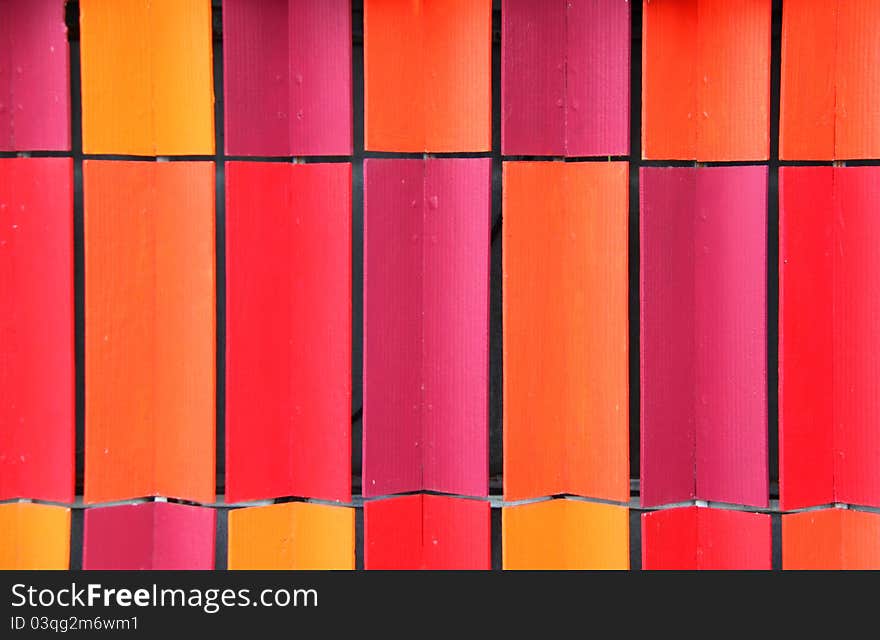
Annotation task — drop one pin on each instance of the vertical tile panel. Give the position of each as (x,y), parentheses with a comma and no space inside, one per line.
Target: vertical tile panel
(566,398)
(36,329)
(34,537)
(809,80)
(7,142)
(730,335)
(426,325)
(393,533)
(458,75)
(806,381)
(395,62)
(150,330)
(690,538)
(256,77)
(295,536)
(288,349)
(533,92)
(861,540)
(320,68)
(706,80)
(533,535)
(544,375)
(670,540)
(455,533)
(393,322)
(857,131)
(116,58)
(427,84)
(185,325)
(667,325)
(566,534)
(733,80)
(597,78)
(734,540)
(831,540)
(455,331)
(426,532)
(147,77)
(812,540)
(287,77)
(598,439)
(713,430)
(182,76)
(150,535)
(856,337)
(35,68)
(669,79)
(261,423)
(120,339)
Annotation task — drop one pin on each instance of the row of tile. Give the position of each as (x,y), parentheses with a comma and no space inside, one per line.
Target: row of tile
(434,532)
(148,83)
(150,331)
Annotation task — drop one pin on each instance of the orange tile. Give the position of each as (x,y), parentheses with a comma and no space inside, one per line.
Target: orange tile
(566,395)
(565,534)
(830,80)
(427,75)
(147,77)
(669,73)
(150,330)
(293,536)
(706,80)
(807,101)
(831,539)
(34,536)
(857,134)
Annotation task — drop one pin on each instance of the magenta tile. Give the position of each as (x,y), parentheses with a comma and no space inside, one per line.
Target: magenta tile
(533,77)
(287,77)
(565,77)
(149,535)
(597,78)
(426,297)
(703,335)
(34,76)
